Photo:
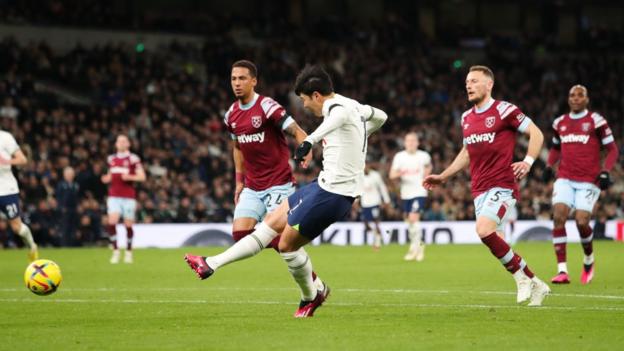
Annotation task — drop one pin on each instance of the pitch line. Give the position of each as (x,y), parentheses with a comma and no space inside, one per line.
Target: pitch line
(342,304)
(351,290)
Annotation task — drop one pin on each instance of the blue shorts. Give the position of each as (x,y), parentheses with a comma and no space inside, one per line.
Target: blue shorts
(256,204)
(124,206)
(313,209)
(370,214)
(414,205)
(577,195)
(9,206)
(495,204)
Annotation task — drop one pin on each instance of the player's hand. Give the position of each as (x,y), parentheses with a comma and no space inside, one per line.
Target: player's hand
(302,152)
(237,192)
(106,178)
(521,169)
(604,180)
(548,174)
(432,181)
(306,160)
(126,177)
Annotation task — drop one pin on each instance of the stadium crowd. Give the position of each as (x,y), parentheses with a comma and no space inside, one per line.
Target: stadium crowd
(170,103)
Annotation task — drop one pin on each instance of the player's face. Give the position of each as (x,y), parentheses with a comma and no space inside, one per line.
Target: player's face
(478,86)
(243,83)
(411,143)
(577,99)
(313,103)
(122,143)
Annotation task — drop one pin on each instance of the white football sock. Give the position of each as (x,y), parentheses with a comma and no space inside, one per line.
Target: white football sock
(588,259)
(246,247)
(300,267)
(26,236)
(413,230)
(562,267)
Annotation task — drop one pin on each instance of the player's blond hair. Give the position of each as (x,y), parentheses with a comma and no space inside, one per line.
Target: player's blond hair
(484,69)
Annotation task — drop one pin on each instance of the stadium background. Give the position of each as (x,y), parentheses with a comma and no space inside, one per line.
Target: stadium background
(75,73)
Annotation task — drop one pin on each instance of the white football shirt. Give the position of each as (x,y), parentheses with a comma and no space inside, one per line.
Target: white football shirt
(8,146)
(375,190)
(412,169)
(344,133)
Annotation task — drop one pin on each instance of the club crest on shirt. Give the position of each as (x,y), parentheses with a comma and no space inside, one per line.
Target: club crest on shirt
(234,125)
(586,126)
(489,121)
(563,128)
(256,121)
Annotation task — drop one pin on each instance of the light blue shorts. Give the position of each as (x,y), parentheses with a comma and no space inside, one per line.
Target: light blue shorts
(256,204)
(495,204)
(124,206)
(577,195)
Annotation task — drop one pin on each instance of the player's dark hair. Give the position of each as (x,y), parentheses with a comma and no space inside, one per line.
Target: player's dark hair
(313,78)
(253,71)
(485,69)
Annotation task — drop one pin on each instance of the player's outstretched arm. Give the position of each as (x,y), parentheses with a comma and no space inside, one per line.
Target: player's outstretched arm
(536,139)
(375,120)
(461,161)
(18,158)
(299,135)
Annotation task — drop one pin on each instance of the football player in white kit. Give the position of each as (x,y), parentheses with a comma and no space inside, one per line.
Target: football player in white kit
(12,155)
(411,166)
(375,193)
(311,209)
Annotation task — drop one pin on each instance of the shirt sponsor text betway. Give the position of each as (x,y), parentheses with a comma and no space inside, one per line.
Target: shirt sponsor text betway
(480,138)
(250,138)
(575,138)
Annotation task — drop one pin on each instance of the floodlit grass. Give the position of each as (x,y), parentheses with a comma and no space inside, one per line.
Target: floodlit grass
(460,297)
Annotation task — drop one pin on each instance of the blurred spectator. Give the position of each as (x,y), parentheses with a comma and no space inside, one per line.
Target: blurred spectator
(67,198)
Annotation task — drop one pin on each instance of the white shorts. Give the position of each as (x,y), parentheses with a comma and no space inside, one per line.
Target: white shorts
(577,195)
(256,204)
(122,205)
(495,204)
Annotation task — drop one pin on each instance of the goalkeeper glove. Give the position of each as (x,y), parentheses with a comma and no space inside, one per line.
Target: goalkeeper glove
(604,180)
(302,150)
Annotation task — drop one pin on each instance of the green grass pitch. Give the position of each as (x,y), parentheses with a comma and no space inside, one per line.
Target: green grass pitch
(459,298)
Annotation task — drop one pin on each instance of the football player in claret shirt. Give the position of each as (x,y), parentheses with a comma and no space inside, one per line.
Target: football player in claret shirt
(124,169)
(257,125)
(344,133)
(489,129)
(578,137)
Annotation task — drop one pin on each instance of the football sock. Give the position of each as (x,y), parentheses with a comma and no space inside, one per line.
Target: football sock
(560,241)
(26,236)
(246,247)
(112,235)
(501,250)
(588,261)
(239,234)
(300,267)
(130,235)
(274,244)
(586,239)
(413,229)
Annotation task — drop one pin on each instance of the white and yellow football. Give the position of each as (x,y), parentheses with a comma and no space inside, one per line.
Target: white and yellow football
(43,277)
